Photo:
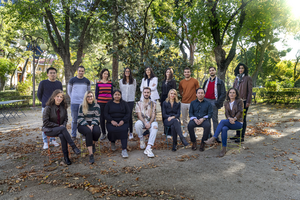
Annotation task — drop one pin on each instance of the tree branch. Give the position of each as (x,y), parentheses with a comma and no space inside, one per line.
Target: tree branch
(52,40)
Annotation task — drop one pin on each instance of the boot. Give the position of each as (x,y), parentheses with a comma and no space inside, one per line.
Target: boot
(67,159)
(76,150)
(202,146)
(210,140)
(174,148)
(183,140)
(94,148)
(91,161)
(223,152)
(194,146)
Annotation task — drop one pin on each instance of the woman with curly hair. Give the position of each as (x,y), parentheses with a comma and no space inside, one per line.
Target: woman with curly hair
(55,118)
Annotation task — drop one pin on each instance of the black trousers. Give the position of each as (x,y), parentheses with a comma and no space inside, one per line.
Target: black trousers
(90,136)
(102,118)
(64,136)
(123,143)
(244,121)
(206,126)
(130,104)
(175,128)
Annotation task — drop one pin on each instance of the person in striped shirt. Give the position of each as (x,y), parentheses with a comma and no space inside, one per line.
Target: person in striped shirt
(103,93)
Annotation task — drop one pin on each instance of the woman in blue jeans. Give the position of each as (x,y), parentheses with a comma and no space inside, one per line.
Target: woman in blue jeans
(234,107)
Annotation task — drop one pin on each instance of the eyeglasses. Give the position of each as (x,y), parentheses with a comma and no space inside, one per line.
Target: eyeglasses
(89,97)
(127,71)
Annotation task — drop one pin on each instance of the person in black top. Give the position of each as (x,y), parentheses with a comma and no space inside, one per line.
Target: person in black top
(171,116)
(117,116)
(167,84)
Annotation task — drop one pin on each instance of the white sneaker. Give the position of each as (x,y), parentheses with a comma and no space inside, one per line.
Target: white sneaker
(149,153)
(45,146)
(83,138)
(130,136)
(124,153)
(142,144)
(54,143)
(185,134)
(169,137)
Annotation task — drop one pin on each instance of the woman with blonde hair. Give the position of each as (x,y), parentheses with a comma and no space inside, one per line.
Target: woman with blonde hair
(88,122)
(171,116)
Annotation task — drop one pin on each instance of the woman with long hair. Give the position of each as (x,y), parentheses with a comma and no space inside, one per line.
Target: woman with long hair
(128,87)
(150,81)
(243,83)
(103,92)
(171,116)
(88,122)
(55,118)
(167,84)
(117,121)
(234,107)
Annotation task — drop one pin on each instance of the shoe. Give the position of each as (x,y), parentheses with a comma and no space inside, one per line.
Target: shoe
(149,153)
(223,152)
(83,138)
(210,140)
(54,143)
(103,137)
(146,132)
(45,146)
(73,138)
(113,146)
(185,134)
(174,148)
(67,159)
(169,137)
(194,146)
(92,160)
(130,136)
(142,144)
(234,137)
(202,146)
(94,148)
(76,150)
(238,140)
(124,153)
(218,140)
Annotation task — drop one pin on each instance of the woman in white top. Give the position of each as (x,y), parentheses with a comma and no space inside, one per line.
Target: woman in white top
(150,81)
(128,88)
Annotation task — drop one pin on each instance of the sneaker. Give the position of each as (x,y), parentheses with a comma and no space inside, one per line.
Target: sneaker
(149,153)
(45,146)
(142,144)
(185,134)
(124,153)
(54,143)
(113,146)
(92,160)
(130,136)
(73,138)
(169,137)
(83,138)
(103,137)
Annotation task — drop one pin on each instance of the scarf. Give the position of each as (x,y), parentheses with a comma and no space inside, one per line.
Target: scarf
(239,78)
(216,88)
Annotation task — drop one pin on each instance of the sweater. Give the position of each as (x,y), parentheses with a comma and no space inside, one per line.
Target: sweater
(187,90)
(104,92)
(77,88)
(45,90)
(93,115)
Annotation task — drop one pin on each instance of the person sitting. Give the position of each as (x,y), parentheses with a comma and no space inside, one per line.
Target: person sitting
(88,122)
(171,117)
(145,110)
(200,113)
(234,107)
(117,114)
(55,118)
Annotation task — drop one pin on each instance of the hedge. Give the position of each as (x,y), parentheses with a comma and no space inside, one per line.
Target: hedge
(284,95)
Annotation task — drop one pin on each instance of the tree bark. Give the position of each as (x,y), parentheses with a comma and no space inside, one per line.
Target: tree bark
(23,70)
(115,63)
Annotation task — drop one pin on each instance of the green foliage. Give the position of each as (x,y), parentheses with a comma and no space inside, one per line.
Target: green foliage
(25,88)
(297,83)
(272,86)
(6,67)
(287,84)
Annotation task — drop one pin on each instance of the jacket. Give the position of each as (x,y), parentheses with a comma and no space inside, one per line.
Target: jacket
(245,88)
(221,93)
(165,88)
(168,111)
(237,110)
(50,117)
(154,94)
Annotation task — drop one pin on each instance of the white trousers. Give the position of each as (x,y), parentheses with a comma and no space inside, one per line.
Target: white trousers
(139,128)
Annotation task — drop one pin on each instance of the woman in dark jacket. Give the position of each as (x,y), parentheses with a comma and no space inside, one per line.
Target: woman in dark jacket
(167,84)
(234,118)
(243,83)
(55,118)
(88,122)
(171,116)
(117,114)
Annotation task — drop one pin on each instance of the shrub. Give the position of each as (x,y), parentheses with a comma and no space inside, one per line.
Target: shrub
(272,86)
(287,84)
(25,88)
(297,83)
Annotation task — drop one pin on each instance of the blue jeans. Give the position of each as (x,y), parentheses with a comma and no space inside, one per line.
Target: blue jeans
(43,134)
(74,114)
(224,126)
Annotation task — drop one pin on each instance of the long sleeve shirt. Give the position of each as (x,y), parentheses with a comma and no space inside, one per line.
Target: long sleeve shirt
(200,110)
(45,90)
(104,91)
(77,88)
(128,90)
(93,115)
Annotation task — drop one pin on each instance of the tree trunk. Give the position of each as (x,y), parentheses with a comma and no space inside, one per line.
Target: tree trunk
(23,70)
(192,52)
(115,63)
(295,68)
(2,84)
(11,78)
(69,70)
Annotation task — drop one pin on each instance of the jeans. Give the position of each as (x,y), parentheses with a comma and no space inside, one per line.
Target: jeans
(139,126)
(74,114)
(43,134)
(224,126)
(206,126)
(90,136)
(244,122)
(215,113)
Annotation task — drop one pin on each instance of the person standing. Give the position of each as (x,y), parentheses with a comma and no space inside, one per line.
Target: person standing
(187,90)
(145,110)
(215,93)
(128,87)
(103,93)
(77,87)
(150,81)
(45,90)
(243,83)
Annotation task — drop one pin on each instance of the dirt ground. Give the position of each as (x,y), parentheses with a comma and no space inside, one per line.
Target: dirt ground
(267,167)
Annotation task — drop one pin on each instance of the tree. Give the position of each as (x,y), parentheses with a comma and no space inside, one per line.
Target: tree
(6,67)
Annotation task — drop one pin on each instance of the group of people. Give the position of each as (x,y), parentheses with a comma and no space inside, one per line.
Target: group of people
(109,111)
